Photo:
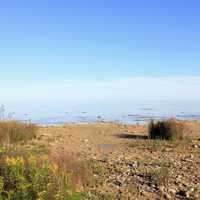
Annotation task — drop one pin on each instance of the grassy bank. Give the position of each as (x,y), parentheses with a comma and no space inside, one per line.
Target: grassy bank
(27,175)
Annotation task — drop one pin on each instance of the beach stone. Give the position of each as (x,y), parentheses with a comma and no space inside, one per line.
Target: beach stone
(161,188)
(189,192)
(166,195)
(173,191)
(133,165)
(181,193)
(85,140)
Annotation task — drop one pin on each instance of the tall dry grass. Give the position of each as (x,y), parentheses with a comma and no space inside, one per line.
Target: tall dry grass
(77,170)
(169,130)
(12,132)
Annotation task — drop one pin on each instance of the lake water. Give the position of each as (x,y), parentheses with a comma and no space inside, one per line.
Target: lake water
(127,113)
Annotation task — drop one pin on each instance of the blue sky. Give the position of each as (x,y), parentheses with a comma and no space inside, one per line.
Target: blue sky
(44,43)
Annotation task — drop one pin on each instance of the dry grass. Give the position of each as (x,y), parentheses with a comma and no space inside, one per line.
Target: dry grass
(160,176)
(12,132)
(68,163)
(168,130)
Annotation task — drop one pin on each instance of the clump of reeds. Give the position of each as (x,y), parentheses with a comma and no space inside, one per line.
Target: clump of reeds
(12,132)
(167,129)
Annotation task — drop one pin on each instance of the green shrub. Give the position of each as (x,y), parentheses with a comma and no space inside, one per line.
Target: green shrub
(169,130)
(12,132)
(29,177)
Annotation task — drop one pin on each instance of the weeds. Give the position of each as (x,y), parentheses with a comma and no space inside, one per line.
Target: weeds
(25,176)
(32,172)
(12,132)
(77,170)
(96,168)
(100,196)
(98,171)
(160,176)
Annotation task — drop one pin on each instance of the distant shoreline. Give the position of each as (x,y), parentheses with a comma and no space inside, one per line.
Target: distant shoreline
(141,123)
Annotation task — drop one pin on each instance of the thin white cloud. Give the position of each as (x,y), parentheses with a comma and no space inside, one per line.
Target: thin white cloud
(132,88)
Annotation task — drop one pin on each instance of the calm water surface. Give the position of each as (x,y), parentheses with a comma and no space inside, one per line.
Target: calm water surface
(123,113)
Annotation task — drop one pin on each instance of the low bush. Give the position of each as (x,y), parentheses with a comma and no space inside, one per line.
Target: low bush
(12,132)
(169,130)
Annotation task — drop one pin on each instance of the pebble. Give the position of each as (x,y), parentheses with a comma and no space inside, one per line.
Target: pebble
(85,140)
(195,146)
(189,192)
(173,191)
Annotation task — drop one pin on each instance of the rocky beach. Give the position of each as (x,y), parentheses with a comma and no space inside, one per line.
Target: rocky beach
(126,164)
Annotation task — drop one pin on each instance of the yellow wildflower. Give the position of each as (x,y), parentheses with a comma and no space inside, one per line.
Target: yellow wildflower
(11,161)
